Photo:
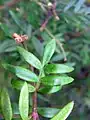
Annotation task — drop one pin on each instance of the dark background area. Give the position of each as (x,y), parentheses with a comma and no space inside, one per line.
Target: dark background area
(72,30)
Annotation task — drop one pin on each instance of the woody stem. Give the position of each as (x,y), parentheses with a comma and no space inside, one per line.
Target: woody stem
(34,97)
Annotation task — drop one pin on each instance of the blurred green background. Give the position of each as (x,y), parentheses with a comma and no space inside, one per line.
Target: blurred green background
(72,30)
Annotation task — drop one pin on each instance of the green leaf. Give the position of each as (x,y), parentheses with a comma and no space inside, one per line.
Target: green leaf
(57,68)
(14,17)
(64,113)
(47,112)
(79,4)
(7,46)
(16,20)
(6,104)
(30,58)
(5,28)
(18,84)
(44,98)
(49,89)
(56,80)
(59,57)
(24,102)
(49,51)
(22,73)
(37,45)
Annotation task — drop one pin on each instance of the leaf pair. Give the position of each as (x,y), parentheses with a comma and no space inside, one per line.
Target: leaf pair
(23,103)
(32,60)
(50,89)
(60,114)
(18,84)
(52,82)
(24,106)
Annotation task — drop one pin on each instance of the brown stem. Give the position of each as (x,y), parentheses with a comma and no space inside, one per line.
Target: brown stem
(35,101)
(35,113)
(58,42)
(34,97)
(24,45)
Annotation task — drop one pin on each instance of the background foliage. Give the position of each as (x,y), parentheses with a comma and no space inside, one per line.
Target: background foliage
(72,30)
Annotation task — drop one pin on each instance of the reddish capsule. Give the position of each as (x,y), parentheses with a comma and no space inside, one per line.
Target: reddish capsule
(19,38)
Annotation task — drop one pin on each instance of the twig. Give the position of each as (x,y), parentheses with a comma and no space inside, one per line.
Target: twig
(58,42)
(51,11)
(34,114)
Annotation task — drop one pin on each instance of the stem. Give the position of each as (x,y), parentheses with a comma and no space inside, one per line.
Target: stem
(58,42)
(24,45)
(35,101)
(34,115)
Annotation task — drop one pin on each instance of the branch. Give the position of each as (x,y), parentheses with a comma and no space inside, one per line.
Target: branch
(58,42)
(34,114)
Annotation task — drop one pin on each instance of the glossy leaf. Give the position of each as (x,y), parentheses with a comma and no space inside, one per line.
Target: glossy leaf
(58,68)
(56,80)
(50,89)
(47,112)
(49,51)
(64,113)
(22,73)
(6,104)
(29,57)
(18,84)
(24,102)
